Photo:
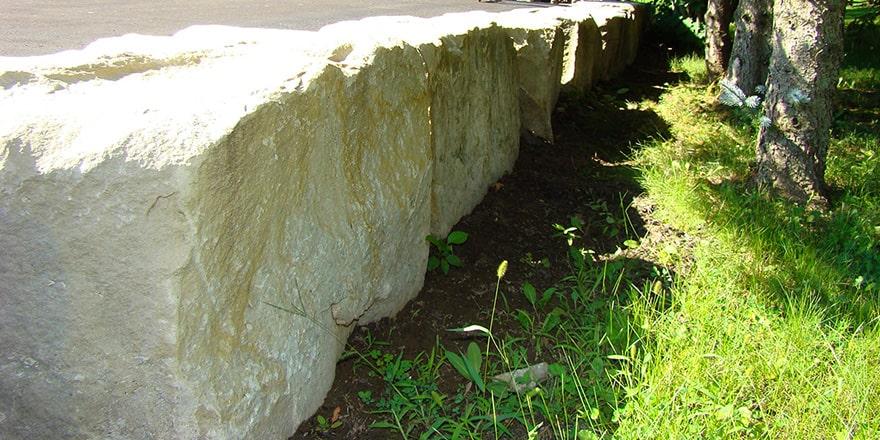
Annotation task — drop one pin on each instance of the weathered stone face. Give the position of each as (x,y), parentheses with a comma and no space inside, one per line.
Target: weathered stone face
(620,29)
(583,50)
(475,120)
(191,225)
(100,185)
(540,40)
(319,204)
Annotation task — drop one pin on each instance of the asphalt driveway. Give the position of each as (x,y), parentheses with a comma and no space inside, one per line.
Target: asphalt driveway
(39,27)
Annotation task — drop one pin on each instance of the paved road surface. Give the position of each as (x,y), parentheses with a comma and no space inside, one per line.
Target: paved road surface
(38,27)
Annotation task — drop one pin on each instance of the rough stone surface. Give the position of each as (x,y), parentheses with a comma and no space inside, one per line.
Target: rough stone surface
(151,233)
(191,225)
(583,49)
(611,20)
(475,118)
(621,33)
(96,148)
(539,38)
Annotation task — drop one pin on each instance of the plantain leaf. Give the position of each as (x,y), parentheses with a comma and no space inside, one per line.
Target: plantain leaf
(524,319)
(475,357)
(465,368)
(457,237)
(530,293)
(475,377)
(458,363)
(551,321)
(548,294)
(498,388)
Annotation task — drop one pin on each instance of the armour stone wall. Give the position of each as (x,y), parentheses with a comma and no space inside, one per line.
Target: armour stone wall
(191,226)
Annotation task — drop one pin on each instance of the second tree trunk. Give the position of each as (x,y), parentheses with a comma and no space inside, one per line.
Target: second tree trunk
(718,42)
(793,141)
(751,45)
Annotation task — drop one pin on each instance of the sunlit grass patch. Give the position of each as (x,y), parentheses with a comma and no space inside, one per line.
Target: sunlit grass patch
(774,330)
(694,66)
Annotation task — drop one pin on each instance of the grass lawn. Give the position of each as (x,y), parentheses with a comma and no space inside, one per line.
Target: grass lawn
(773,329)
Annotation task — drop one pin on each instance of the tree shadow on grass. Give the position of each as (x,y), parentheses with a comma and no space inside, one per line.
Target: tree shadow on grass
(829,260)
(833,259)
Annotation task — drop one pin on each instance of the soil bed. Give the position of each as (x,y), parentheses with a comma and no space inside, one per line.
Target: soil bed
(585,173)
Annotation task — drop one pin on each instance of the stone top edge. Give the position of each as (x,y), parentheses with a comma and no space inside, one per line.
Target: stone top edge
(206,37)
(201,81)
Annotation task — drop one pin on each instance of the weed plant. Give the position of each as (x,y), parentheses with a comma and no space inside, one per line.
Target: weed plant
(444,251)
(692,65)
(580,327)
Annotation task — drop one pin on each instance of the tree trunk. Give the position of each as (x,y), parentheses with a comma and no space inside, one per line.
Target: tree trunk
(751,45)
(793,140)
(718,17)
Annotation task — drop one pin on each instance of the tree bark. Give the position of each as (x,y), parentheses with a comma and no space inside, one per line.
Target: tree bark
(751,45)
(718,42)
(793,140)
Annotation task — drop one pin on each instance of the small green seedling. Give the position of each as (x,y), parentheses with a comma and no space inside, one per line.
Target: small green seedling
(531,294)
(325,425)
(531,261)
(469,365)
(569,233)
(366,396)
(445,256)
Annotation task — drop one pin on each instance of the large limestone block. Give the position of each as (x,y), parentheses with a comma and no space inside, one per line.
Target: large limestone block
(583,48)
(474,114)
(612,20)
(632,16)
(90,159)
(151,210)
(539,38)
(470,65)
(604,41)
(336,225)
